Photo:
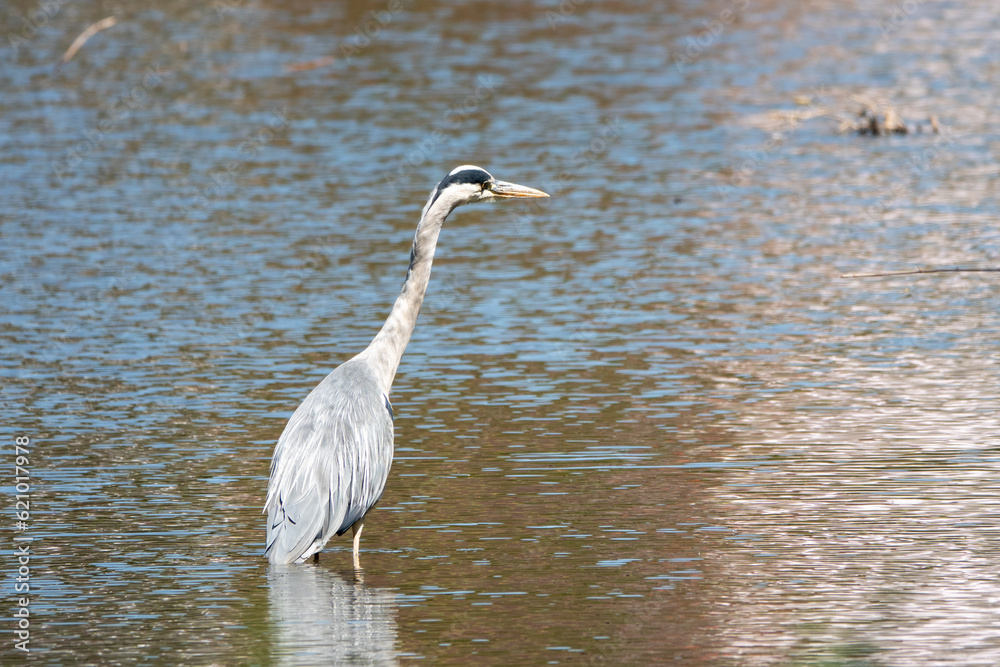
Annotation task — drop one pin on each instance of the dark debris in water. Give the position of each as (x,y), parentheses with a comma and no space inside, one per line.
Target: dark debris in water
(877,120)
(873,119)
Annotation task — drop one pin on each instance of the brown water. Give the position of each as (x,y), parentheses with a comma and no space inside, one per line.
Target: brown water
(643,422)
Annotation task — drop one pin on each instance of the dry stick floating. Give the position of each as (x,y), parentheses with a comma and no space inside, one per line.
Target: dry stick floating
(311,64)
(915,271)
(85,35)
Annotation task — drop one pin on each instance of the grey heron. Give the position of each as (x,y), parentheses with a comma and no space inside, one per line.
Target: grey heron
(332,460)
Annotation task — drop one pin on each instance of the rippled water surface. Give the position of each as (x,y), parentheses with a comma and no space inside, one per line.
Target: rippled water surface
(643,421)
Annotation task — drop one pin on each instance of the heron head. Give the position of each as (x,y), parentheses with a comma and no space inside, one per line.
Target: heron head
(469,184)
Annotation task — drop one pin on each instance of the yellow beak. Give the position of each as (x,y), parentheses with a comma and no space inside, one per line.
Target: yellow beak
(503,189)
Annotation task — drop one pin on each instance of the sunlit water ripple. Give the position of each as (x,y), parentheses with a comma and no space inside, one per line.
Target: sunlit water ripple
(645,420)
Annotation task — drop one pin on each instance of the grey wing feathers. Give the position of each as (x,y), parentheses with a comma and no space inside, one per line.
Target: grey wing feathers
(330,464)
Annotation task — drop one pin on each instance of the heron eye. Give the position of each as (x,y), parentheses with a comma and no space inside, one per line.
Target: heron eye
(487,186)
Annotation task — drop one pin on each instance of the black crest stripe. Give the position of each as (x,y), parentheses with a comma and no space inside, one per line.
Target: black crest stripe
(477,176)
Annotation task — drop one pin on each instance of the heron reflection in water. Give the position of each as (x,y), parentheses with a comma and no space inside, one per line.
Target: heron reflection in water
(332,460)
(320,617)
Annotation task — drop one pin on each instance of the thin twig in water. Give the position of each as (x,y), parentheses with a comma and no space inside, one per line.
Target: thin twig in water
(92,30)
(915,271)
(311,64)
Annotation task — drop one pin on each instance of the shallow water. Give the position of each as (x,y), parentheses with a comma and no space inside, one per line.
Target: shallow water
(644,420)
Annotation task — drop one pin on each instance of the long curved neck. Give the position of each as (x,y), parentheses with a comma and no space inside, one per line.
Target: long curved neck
(386,349)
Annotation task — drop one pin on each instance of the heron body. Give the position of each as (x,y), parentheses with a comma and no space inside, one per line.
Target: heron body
(332,460)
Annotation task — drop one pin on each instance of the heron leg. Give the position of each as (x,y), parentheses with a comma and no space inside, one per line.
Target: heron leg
(356,528)
(316,557)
